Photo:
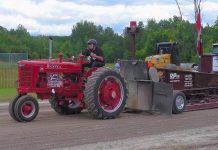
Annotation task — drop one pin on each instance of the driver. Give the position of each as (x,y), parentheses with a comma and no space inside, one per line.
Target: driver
(95,53)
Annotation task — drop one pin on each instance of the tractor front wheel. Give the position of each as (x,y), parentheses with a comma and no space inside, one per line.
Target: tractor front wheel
(26,108)
(105,94)
(12,105)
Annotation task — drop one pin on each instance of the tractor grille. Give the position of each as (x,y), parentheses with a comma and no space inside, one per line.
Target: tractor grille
(25,76)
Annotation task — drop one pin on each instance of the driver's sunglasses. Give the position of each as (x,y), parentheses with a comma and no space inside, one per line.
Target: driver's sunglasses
(89,43)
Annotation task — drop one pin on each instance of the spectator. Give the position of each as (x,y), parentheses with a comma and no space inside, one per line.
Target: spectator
(117,66)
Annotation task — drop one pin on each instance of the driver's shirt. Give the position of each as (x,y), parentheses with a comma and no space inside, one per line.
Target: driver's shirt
(97,51)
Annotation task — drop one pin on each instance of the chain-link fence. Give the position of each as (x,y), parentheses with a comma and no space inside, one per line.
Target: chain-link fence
(8,68)
(12,57)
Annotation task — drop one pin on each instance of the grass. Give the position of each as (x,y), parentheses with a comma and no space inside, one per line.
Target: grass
(8,75)
(111,65)
(6,94)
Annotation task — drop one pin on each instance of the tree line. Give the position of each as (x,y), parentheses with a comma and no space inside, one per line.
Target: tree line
(114,45)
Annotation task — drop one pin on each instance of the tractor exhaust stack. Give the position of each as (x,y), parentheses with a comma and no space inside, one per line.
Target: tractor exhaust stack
(50,49)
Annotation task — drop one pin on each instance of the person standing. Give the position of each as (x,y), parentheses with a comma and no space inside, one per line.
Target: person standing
(117,66)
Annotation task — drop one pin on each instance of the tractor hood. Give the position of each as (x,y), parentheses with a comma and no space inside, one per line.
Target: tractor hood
(50,66)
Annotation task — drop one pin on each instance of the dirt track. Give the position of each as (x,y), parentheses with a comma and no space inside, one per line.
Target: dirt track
(52,131)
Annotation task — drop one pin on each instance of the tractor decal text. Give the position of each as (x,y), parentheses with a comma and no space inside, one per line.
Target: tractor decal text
(54,80)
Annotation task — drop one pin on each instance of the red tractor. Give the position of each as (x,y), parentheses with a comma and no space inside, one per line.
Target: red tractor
(69,88)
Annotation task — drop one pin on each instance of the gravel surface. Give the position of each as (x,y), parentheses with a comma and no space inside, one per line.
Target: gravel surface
(202,138)
(190,130)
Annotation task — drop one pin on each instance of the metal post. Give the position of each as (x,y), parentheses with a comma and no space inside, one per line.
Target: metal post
(132,31)
(133,46)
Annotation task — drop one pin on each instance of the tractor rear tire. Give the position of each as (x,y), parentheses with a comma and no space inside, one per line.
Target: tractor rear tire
(73,108)
(64,110)
(11,107)
(105,94)
(179,102)
(26,108)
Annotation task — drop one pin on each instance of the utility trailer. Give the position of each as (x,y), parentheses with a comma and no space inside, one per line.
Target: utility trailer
(191,90)
(198,89)
(195,90)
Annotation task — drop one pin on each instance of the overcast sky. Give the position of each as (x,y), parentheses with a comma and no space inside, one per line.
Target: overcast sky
(57,17)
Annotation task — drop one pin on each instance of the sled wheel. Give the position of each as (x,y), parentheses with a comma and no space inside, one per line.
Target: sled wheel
(179,102)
